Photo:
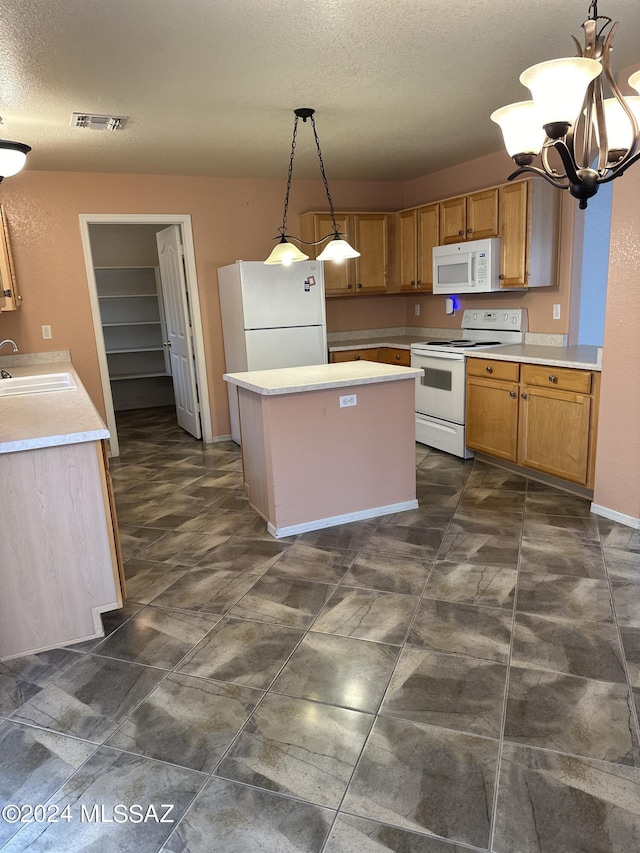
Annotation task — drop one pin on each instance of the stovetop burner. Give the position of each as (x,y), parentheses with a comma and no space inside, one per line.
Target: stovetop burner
(462,342)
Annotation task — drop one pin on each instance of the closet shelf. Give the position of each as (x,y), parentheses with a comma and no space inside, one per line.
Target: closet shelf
(120,377)
(135,349)
(127,296)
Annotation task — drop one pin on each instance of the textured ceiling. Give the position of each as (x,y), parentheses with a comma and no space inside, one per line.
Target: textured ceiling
(400,88)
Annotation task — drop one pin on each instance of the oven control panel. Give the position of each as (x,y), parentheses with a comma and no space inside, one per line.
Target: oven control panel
(514,319)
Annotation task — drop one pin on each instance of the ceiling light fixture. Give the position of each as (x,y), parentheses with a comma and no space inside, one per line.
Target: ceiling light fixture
(338,249)
(13,156)
(569,113)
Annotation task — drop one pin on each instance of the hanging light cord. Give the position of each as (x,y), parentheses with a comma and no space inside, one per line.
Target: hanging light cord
(283,227)
(304,114)
(324,178)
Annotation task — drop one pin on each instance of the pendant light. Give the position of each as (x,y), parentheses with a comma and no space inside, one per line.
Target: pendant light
(569,113)
(338,249)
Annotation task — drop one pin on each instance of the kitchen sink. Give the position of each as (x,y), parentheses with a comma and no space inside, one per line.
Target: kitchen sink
(36,384)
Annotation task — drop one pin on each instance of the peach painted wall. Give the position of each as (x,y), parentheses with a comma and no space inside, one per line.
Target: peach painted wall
(617,482)
(232,219)
(346,314)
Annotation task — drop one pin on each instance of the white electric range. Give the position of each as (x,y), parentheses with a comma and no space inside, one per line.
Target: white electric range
(441,392)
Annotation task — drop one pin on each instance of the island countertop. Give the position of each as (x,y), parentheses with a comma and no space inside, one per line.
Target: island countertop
(294,380)
(49,418)
(578,357)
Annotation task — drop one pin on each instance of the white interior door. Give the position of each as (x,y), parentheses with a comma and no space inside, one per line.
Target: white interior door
(179,331)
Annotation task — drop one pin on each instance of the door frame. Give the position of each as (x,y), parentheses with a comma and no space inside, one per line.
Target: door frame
(184,222)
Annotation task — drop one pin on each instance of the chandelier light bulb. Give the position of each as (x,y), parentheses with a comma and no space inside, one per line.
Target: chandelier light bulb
(522,130)
(558,88)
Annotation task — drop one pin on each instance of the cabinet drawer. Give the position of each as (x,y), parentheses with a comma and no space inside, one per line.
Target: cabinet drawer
(368,354)
(563,378)
(392,355)
(509,371)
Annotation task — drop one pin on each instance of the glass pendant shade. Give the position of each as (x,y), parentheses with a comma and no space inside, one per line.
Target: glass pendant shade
(286,253)
(559,87)
(634,81)
(13,156)
(521,128)
(337,250)
(619,130)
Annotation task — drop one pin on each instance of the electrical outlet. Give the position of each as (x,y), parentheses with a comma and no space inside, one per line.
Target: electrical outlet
(417,310)
(348,400)
(556,312)
(46,333)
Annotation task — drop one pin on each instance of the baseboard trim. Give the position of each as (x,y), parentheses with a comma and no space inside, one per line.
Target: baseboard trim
(321,523)
(621,518)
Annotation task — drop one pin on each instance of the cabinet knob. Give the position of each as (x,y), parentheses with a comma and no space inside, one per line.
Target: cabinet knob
(357,358)
(419,282)
(512,394)
(524,396)
(461,233)
(501,277)
(359,285)
(349,286)
(489,369)
(469,230)
(397,358)
(413,284)
(552,378)
(166,343)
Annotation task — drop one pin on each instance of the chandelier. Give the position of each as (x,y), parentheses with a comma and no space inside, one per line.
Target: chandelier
(285,252)
(569,113)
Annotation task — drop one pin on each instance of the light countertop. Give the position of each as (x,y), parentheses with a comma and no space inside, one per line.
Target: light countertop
(579,357)
(295,380)
(49,418)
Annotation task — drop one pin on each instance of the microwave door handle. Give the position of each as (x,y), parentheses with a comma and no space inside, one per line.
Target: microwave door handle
(471,272)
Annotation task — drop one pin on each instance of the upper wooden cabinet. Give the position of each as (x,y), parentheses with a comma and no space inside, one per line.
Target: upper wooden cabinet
(10,299)
(529,218)
(469,217)
(419,232)
(369,233)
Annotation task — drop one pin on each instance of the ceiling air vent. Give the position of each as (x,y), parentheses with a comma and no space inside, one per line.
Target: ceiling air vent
(96,122)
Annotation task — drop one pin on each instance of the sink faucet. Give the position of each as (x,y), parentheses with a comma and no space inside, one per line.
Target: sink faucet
(13,344)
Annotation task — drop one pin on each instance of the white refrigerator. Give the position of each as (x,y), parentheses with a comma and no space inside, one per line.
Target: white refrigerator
(272,316)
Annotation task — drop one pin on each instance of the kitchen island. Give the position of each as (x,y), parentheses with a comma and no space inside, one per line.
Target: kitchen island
(327,444)
(60,565)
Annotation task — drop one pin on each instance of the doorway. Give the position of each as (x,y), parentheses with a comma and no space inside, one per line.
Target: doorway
(156,358)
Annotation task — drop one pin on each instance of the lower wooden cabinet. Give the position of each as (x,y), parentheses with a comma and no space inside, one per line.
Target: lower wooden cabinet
(354,355)
(541,418)
(386,355)
(60,562)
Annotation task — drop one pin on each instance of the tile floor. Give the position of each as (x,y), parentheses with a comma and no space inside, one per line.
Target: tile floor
(461,677)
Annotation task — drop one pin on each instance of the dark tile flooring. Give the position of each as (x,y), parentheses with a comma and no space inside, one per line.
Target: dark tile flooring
(465,676)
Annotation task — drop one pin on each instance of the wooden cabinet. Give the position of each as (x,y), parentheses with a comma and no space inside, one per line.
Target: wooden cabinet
(529,223)
(394,355)
(556,409)
(541,418)
(132,318)
(386,355)
(369,233)
(10,299)
(419,232)
(469,217)
(60,564)
(492,408)
(364,354)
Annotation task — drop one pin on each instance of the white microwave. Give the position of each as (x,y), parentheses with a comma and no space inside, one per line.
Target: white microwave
(471,267)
